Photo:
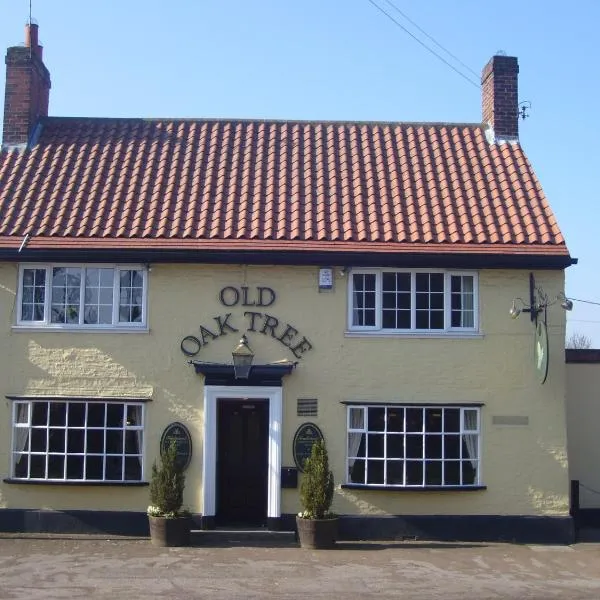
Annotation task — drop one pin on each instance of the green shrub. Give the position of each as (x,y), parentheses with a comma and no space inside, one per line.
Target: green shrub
(166,485)
(316,489)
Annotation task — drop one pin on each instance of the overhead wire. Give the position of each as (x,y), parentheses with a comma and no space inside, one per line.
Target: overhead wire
(430,37)
(431,50)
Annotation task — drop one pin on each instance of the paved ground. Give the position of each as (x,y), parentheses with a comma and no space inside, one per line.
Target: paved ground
(43,567)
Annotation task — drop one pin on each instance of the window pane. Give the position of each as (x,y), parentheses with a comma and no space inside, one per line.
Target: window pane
(94,467)
(376,418)
(130,294)
(75,467)
(414,472)
(22,465)
(114,468)
(75,441)
(96,412)
(66,289)
(414,446)
(395,419)
(395,446)
(357,418)
(375,471)
(395,472)
(363,299)
(452,446)
(38,466)
(356,472)
(375,446)
(114,415)
(33,294)
(433,446)
(452,419)
(133,469)
(469,473)
(40,413)
(76,414)
(56,440)
(39,439)
(452,472)
(56,467)
(58,413)
(433,419)
(95,441)
(114,442)
(433,473)
(414,419)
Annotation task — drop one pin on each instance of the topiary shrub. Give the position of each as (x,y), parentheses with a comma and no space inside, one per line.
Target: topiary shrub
(316,489)
(167,485)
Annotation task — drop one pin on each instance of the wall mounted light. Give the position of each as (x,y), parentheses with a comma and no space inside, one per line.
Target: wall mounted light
(539,301)
(242,359)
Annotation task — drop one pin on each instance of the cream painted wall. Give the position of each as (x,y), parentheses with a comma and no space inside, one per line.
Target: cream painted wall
(524,467)
(583,417)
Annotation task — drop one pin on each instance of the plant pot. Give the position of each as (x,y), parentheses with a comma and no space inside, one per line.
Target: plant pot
(317,533)
(170,532)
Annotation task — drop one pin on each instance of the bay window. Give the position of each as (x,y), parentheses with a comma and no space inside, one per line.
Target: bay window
(410,446)
(64,440)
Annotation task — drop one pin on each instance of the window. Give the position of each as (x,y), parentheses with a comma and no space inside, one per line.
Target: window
(405,301)
(77,441)
(82,296)
(413,446)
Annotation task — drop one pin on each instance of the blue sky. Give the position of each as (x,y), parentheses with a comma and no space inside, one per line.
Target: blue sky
(328,59)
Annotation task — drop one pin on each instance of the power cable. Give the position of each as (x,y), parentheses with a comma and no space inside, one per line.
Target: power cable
(412,35)
(460,62)
(585,301)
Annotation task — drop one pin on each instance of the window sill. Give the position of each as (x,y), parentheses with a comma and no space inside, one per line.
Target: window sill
(427,488)
(454,335)
(77,483)
(48,329)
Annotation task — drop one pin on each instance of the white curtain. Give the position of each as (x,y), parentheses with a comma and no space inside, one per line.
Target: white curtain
(354,437)
(471,438)
(467,313)
(137,415)
(21,436)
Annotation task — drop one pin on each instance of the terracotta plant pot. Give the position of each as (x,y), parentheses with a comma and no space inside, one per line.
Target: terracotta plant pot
(170,532)
(317,533)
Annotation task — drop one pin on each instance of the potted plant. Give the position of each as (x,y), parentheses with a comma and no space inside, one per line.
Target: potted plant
(169,524)
(317,526)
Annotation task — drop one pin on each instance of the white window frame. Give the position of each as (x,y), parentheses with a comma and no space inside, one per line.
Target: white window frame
(26,450)
(115,325)
(378,329)
(364,430)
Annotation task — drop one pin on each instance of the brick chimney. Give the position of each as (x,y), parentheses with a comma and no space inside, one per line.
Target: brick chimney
(500,96)
(27,89)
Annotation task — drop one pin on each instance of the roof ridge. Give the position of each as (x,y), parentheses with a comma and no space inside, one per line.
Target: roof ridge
(267,120)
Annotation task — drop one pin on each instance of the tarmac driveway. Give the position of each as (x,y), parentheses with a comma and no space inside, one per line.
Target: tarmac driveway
(44,567)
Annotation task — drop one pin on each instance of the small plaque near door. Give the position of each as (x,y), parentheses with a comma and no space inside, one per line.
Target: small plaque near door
(183,440)
(306,435)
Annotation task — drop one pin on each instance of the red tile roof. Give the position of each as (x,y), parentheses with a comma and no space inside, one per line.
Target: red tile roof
(273,185)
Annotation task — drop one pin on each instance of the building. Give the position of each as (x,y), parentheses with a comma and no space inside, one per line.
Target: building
(370,267)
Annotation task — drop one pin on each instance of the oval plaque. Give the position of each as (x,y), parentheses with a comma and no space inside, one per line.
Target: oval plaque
(306,435)
(541,351)
(183,440)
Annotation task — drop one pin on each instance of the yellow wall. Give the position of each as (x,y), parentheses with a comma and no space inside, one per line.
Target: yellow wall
(583,419)
(523,467)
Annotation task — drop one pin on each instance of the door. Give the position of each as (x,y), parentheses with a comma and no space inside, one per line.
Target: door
(242,462)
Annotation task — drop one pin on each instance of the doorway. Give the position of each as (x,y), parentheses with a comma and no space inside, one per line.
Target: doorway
(242,461)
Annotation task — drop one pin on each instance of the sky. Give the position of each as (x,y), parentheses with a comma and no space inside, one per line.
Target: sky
(344,60)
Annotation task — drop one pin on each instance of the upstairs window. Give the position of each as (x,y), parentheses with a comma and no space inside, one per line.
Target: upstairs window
(410,301)
(87,296)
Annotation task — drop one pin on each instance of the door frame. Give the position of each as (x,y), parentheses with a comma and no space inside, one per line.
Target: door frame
(214,393)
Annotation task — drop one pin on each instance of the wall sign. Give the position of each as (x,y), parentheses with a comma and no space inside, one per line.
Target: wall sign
(255,321)
(306,435)
(325,278)
(540,351)
(183,440)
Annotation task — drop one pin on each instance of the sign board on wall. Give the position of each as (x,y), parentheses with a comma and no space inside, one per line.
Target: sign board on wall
(178,433)
(306,435)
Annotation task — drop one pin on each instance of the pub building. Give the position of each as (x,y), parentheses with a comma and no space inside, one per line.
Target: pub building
(246,287)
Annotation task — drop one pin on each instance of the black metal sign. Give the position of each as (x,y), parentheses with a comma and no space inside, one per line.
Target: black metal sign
(179,433)
(306,435)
